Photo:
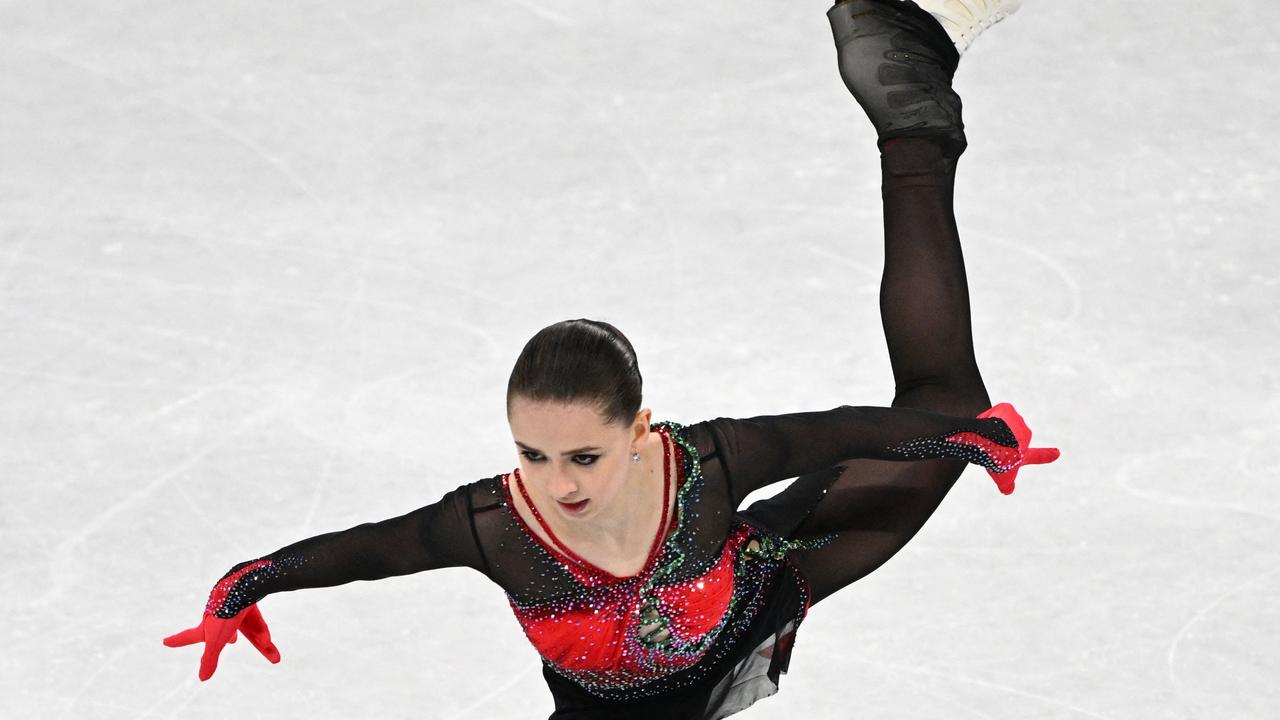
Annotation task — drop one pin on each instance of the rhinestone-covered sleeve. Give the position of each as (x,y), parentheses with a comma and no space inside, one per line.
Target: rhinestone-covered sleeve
(435,536)
(765,449)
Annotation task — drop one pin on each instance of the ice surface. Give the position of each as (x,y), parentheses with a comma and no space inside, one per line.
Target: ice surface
(265,267)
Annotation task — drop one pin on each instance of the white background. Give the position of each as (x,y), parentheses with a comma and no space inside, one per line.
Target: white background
(265,268)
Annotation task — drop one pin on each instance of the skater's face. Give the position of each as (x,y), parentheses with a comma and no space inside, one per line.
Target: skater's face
(568,455)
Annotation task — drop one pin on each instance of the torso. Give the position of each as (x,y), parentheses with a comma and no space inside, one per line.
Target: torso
(628,558)
(615,622)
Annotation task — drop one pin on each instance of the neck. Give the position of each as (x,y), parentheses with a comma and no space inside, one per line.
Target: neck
(622,525)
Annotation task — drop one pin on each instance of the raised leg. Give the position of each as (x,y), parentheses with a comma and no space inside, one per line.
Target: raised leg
(876,507)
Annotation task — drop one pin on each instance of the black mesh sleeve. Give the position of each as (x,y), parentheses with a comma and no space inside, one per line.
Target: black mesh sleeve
(761,450)
(435,536)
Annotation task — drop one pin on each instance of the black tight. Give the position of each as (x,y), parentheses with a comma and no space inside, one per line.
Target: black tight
(876,506)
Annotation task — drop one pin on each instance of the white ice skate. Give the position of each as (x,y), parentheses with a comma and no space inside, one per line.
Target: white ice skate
(964,20)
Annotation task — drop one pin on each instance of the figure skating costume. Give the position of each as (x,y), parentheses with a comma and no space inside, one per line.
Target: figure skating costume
(729,588)
(731,610)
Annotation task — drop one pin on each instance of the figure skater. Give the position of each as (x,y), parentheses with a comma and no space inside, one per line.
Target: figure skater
(618,541)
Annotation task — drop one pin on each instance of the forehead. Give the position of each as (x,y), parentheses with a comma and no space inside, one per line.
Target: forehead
(555,423)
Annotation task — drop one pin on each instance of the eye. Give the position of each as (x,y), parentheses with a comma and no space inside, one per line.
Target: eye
(583,460)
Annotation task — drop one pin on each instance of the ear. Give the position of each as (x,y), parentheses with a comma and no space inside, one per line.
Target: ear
(640,428)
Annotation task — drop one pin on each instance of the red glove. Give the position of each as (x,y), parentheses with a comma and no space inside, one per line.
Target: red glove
(1011,459)
(217,632)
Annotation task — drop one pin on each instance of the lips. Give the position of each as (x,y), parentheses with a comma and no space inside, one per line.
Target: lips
(574,507)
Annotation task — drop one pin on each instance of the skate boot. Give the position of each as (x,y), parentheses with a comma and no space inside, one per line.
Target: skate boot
(964,20)
(898,62)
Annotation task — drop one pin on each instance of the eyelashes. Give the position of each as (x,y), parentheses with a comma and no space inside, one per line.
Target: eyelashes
(537,458)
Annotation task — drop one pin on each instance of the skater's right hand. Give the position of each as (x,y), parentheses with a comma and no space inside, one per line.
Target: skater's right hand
(216,633)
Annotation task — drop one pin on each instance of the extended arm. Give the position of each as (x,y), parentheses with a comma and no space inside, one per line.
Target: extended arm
(438,535)
(435,536)
(761,450)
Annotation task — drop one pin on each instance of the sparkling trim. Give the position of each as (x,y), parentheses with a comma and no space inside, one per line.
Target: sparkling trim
(641,667)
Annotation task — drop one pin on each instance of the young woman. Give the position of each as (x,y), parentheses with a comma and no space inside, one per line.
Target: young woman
(618,541)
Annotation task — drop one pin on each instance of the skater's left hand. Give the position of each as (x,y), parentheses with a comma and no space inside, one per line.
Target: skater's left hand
(1030,455)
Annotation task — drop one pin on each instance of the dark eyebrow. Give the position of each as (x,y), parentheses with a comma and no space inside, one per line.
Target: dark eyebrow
(575,451)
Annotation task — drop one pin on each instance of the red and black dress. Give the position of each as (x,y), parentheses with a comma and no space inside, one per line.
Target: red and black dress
(731,608)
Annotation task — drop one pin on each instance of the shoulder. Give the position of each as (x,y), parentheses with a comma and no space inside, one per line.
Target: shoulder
(700,437)
(466,523)
(465,503)
(479,496)
(702,444)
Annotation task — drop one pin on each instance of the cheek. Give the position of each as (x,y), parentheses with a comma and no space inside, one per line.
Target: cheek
(620,481)
(531,474)
(610,480)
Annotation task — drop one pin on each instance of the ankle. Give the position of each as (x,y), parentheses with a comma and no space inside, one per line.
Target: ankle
(916,156)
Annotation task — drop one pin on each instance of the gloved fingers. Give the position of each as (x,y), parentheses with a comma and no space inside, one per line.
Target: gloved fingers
(252,624)
(1032,456)
(209,660)
(218,632)
(265,646)
(1005,480)
(1039,456)
(1016,423)
(190,636)
(254,629)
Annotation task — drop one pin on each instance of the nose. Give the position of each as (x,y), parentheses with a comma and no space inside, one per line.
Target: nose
(562,488)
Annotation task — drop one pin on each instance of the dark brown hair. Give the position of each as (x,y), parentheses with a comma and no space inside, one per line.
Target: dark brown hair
(580,360)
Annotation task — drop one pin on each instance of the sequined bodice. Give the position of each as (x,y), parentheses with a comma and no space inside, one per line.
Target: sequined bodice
(602,632)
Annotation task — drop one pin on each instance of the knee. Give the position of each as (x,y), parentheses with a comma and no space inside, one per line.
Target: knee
(963,398)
